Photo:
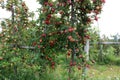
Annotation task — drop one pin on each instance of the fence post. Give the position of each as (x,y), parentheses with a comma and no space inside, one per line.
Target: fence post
(85,69)
(86,49)
(100,57)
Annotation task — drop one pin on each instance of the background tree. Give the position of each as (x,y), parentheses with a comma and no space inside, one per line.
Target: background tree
(16,63)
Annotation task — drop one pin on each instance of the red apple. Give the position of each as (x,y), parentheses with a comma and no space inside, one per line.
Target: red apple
(61,12)
(38,46)
(34,43)
(51,43)
(53,67)
(69,37)
(72,40)
(96,18)
(65,31)
(96,11)
(40,40)
(103,1)
(50,59)
(88,20)
(69,2)
(59,4)
(70,29)
(43,35)
(23,3)
(87,37)
(53,10)
(50,4)
(79,67)
(46,3)
(68,53)
(80,56)
(74,63)
(49,16)
(87,65)
(47,22)
(94,1)
(64,4)
(53,63)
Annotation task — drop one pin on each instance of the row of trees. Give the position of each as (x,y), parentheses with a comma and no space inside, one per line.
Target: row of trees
(62,28)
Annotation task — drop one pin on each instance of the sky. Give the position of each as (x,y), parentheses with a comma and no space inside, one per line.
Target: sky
(109,23)
(109,18)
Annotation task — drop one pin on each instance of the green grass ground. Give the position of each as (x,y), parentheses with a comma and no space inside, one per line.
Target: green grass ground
(104,72)
(96,72)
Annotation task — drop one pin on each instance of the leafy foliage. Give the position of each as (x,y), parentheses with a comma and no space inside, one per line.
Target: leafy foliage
(62,27)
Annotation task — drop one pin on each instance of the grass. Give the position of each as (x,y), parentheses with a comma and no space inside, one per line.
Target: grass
(96,72)
(104,72)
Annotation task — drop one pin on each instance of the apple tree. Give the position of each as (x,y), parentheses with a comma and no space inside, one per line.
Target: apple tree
(16,62)
(63,26)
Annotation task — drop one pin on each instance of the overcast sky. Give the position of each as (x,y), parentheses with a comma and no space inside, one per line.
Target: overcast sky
(109,22)
(109,19)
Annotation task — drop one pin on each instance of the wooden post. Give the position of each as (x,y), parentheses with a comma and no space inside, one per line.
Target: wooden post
(86,49)
(100,51)
(85,69)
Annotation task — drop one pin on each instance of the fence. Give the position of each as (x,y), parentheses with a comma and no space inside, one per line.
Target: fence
(101,47)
